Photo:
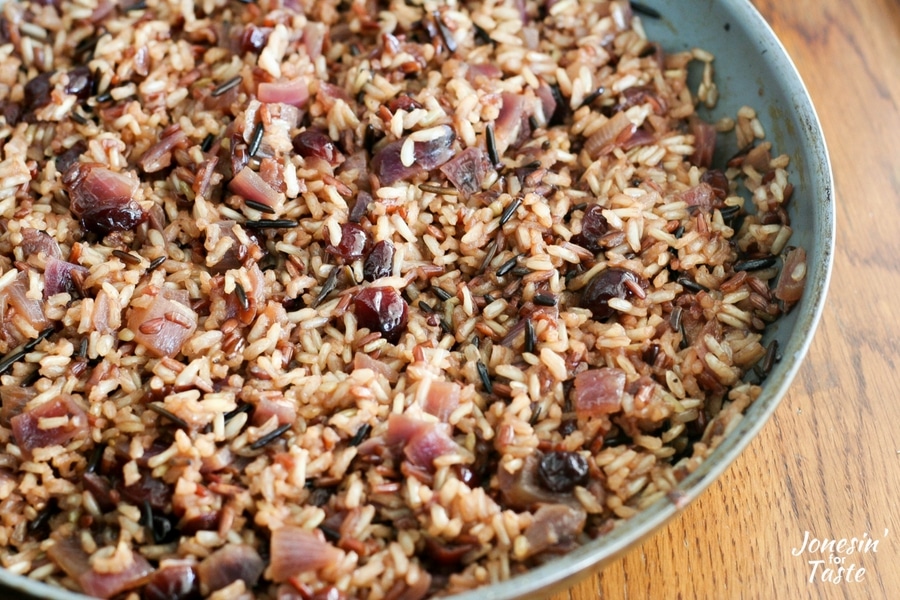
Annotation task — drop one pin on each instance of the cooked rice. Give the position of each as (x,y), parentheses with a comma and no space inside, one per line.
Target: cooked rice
(129,465)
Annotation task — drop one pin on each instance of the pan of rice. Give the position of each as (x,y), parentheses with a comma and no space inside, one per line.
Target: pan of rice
(338,299)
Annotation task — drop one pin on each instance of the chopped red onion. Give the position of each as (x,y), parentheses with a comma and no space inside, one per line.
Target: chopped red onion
(554,524)
(29,434)
(266,408)
(58,277)
(35,242)
(294,92)
(15,296)
(250,185)
(361,360)
(228,564)
(598,392)
(72,559)
(793,276)
(159,155)
(511,121)
(522,490)
(704,141)
(314,39)
(164,325)
(442,399)
(702,195)
(389,167)
(103,199)
(422,441)
(295,550)
(615,130)
(468,170)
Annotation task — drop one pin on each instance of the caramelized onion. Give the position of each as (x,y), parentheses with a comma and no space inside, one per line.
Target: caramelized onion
(71,558)
(164,325)
(793,276)
(30,431)
(103,199)
(441,399)
(229,564)
(704,141)
(159,155)
(250,185)
(554,524)
(468,170)
(422,441)
(294,92)
(602,141)
(598,392)
(295,550)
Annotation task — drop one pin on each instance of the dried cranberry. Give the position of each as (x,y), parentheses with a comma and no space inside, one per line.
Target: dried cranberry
(313,142)
(147,489)
(382,309)
(10,111)
(176,582)
(593,227)
(355,243)
(37,92)
(379,262)
(81,83)
(207,521)
(717,181)
(103,220)
(562,471)
(68,157)
(360,207)
(445,554)
(402,102)
(5,37)
(567,427)
(611,283)
(254,39)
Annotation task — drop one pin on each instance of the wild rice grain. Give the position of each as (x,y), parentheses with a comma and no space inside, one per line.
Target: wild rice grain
(509,211)
(643,9)
(485,377)
(127,257)
(226,86)
(263,208)
(492,146)
(256,139)
(270,437)
(755,264)
(162,411)
(271,224)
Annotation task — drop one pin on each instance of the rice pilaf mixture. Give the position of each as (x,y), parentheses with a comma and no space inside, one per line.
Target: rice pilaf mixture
(381,300)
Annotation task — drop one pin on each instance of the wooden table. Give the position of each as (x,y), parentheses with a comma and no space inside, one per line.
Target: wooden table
(828,463)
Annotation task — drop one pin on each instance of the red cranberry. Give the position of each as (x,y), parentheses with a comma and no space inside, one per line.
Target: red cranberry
(37,92)
(355,243)
(379,262)
(254,39)
(382,309)
(81,82)
(67,158)
(562,471)
(106,219)
(593,227)
(611,283)
(313,142)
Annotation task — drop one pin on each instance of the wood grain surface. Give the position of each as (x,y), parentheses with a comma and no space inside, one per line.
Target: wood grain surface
(828,463)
